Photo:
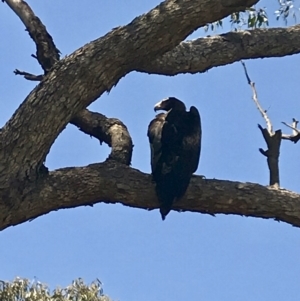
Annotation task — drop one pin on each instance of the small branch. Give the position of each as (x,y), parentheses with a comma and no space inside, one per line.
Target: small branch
(294,126)
(109,130)
(291,127)
(295,137)
(46,52)
(29,76)
(254,97)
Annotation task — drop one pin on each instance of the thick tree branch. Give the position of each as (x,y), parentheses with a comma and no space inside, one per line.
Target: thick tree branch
(79,79)
(203,54)
(111,182)
(109,130)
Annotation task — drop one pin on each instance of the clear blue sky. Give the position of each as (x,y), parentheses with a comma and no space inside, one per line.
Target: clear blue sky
(189,256)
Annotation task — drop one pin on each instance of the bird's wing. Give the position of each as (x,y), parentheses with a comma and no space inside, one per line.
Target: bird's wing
(154,135)
(193,138)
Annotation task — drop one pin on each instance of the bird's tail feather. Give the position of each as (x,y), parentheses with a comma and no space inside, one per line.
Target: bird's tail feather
(164,212)
(166,198)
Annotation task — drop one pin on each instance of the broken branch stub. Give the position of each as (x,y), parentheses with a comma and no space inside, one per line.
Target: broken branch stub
(272,153)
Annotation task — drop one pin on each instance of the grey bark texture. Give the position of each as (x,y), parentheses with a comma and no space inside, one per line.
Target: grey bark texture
(112,182)
(28,190)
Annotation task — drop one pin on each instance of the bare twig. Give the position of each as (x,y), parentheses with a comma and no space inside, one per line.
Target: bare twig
(294,125)
(29,76)
(254,97)
(295,130)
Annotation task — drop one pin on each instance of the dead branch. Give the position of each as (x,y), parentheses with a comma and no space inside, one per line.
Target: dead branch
(272,139)
(255,99)
(272,153)
(29,76)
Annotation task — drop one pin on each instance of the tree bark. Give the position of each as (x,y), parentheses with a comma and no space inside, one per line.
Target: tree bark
(111,183)
(203,54)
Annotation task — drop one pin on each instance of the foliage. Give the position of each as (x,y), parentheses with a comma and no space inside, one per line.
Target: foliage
(286,10)
(251,18)
(26,290)
(257,17)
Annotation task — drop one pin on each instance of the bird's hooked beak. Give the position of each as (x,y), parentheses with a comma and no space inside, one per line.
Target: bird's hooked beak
(159,105)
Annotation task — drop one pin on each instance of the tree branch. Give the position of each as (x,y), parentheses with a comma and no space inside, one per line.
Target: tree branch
(111,183)
(29,76)
(273,142)
(203,54)
(255,99)
(46,52)
(109,130)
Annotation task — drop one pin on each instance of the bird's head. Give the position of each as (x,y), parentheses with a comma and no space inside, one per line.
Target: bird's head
(170,103)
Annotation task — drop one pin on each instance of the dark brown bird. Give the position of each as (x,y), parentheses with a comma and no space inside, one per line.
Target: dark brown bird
(175,141)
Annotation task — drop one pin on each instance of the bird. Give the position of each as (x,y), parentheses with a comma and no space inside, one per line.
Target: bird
(175,144)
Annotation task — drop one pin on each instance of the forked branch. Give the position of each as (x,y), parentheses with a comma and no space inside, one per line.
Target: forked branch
(109,130)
